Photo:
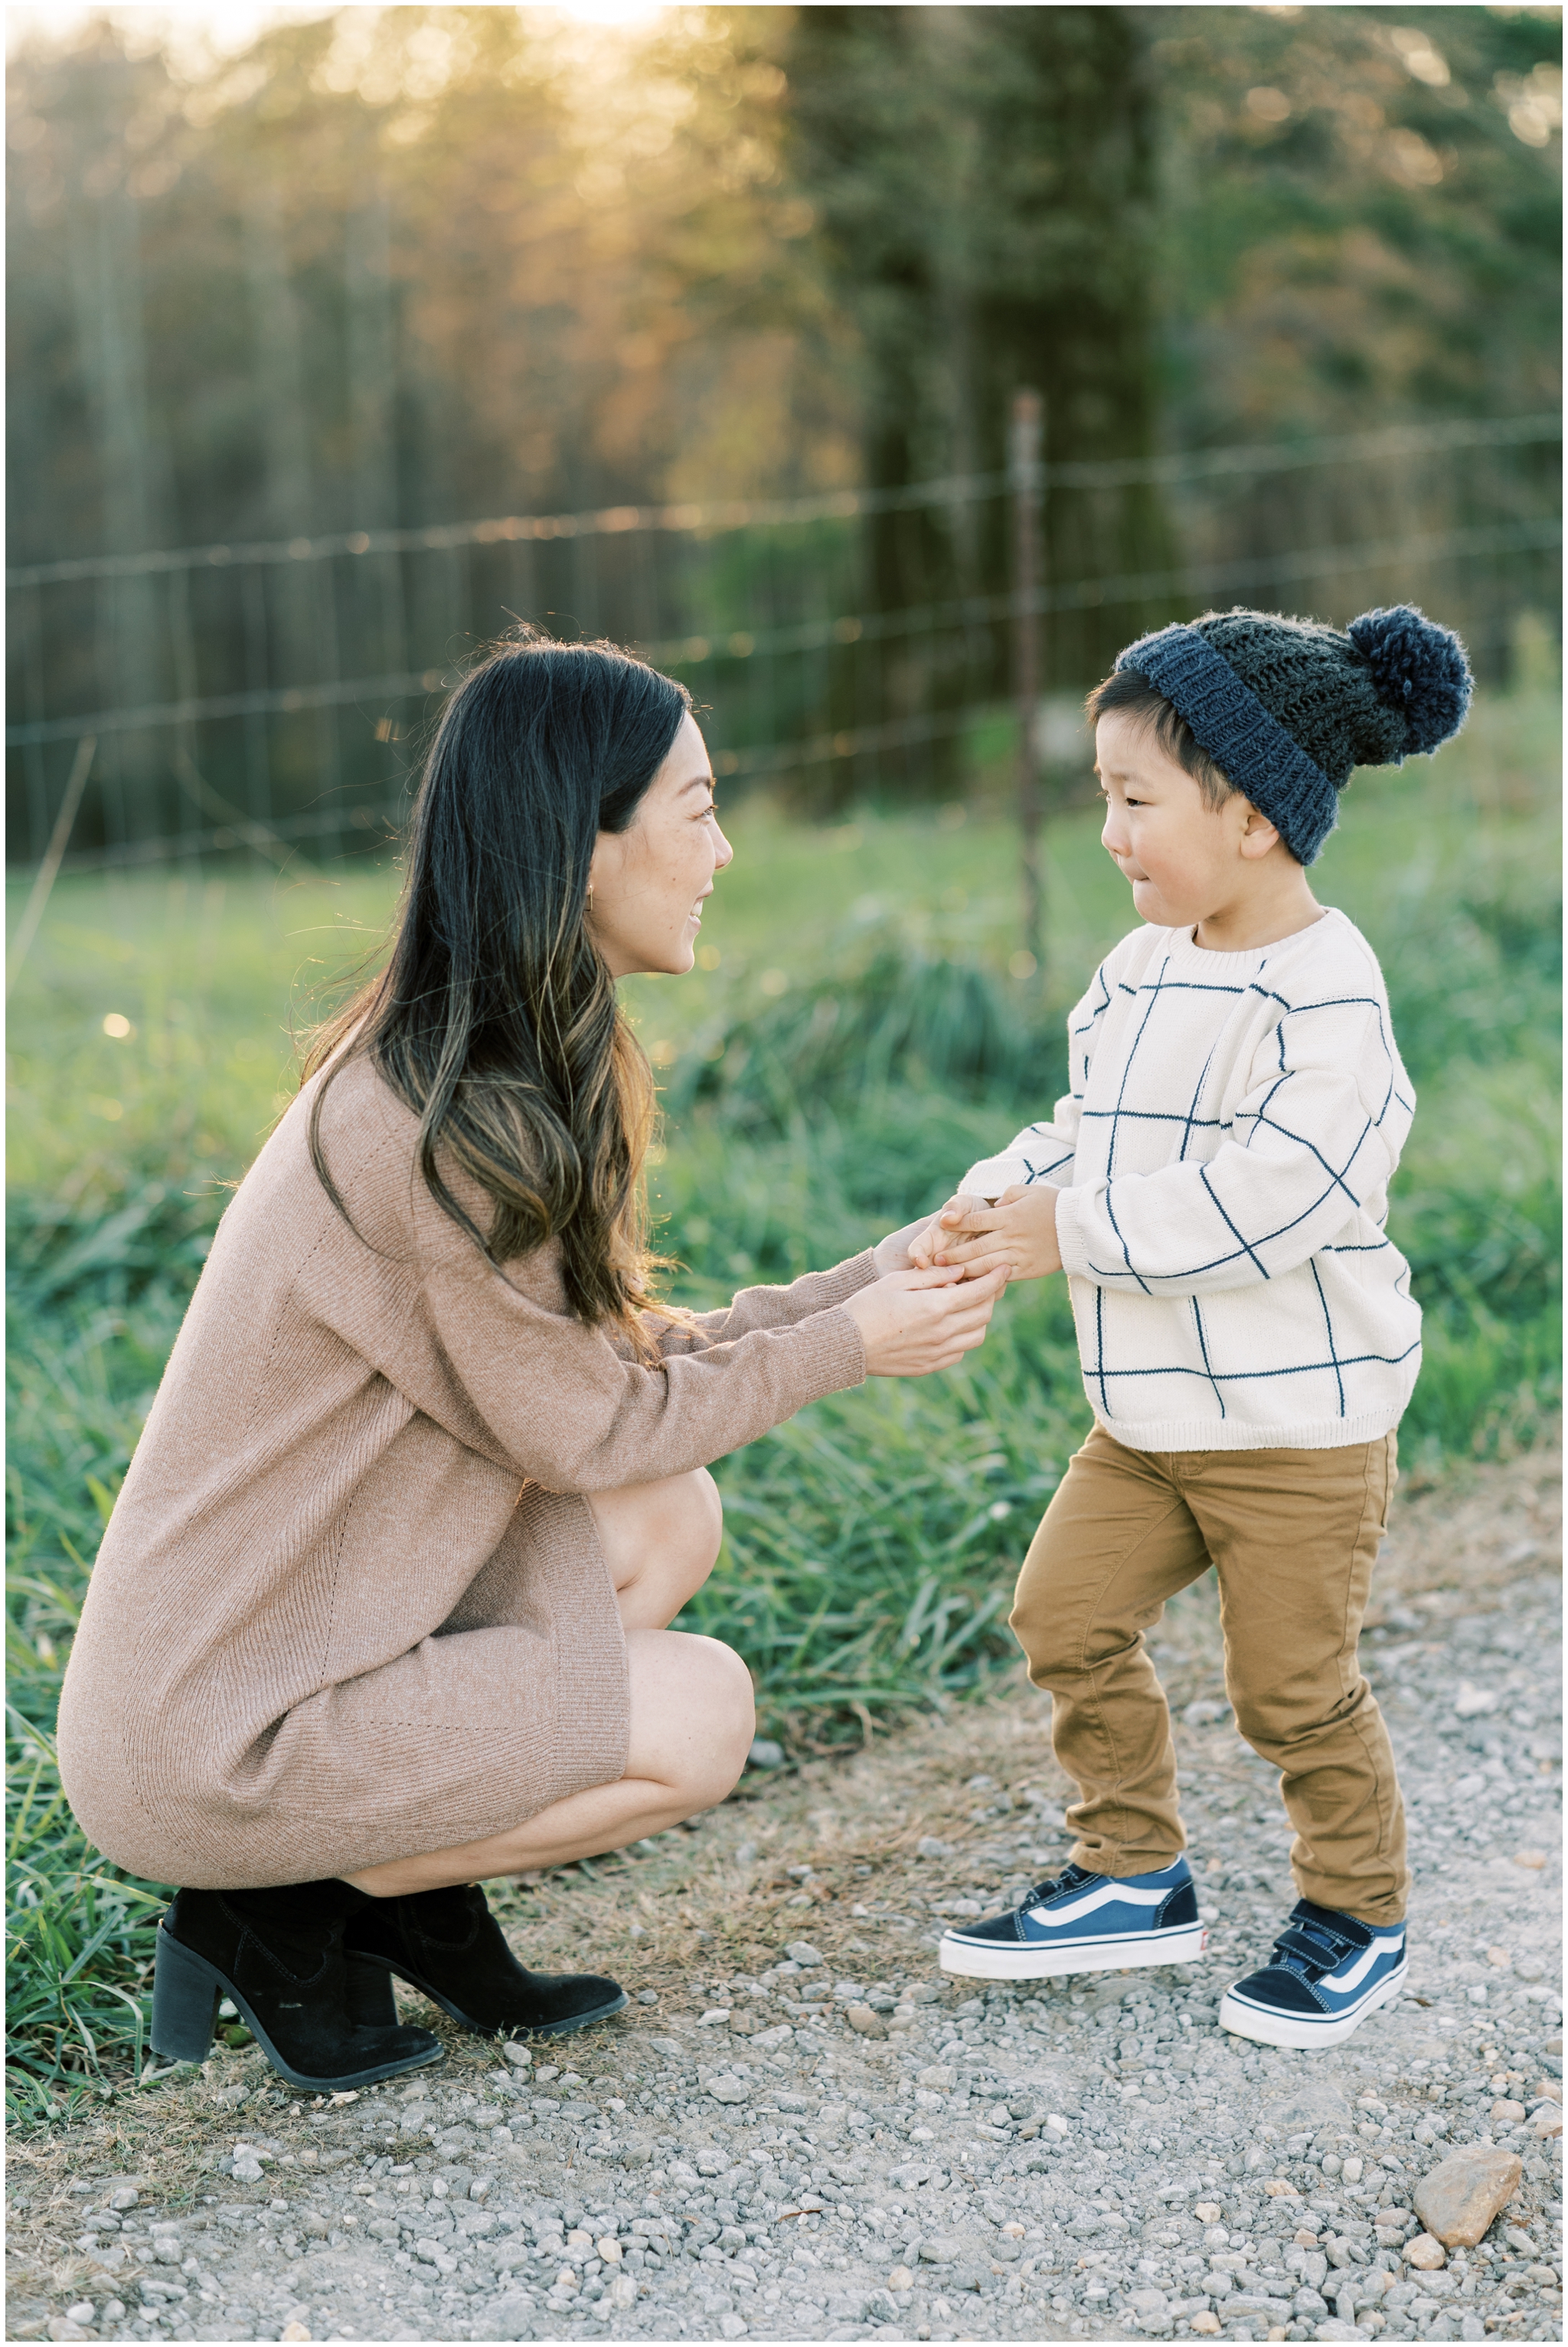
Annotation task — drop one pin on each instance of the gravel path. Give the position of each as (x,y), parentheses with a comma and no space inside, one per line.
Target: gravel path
(800,2131)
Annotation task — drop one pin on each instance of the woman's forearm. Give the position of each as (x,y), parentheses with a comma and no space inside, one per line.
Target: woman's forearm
(773,1308)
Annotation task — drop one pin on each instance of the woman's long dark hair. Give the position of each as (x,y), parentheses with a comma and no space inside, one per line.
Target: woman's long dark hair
(495,1020)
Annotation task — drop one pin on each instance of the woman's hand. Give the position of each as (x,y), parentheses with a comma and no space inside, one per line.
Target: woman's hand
(917,1321)
(892,1254)
(1019,1231)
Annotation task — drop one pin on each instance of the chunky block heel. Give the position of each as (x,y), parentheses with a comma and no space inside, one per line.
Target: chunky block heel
(279,1955)
(186,1990)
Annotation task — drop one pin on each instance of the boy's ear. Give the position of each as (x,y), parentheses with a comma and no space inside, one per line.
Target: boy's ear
(1258,835)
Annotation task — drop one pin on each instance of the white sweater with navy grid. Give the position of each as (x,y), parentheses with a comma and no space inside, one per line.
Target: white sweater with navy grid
(1224,1157)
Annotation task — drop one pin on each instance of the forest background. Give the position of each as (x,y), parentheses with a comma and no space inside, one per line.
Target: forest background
(291,329)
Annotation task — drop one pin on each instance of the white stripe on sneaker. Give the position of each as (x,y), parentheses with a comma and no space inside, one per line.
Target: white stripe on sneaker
(1078,1940)
(1108,1894)
(1355,1973)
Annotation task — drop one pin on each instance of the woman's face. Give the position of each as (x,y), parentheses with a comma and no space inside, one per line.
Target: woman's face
(651,880)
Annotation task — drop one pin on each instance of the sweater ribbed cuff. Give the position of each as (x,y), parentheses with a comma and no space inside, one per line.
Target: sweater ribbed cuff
(832,1353)
(1070,1237)
(847,1278)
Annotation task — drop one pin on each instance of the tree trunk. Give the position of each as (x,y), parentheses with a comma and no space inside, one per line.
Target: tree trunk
(983,180)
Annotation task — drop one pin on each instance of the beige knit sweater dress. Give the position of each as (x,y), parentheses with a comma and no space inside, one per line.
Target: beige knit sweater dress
(351,1604)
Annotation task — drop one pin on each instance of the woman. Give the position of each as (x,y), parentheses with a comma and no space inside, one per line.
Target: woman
(380,1611)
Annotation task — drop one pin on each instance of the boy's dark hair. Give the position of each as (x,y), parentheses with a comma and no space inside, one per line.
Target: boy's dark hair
(1125,693)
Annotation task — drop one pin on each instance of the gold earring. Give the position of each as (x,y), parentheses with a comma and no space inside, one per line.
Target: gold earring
(588,905)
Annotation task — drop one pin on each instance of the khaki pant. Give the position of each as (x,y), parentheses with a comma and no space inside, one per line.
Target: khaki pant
(1292,1536)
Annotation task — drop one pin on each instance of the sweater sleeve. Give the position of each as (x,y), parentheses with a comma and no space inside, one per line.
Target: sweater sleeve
(771,1308)
(574,1414)
(1044,1153)
(1314,1143)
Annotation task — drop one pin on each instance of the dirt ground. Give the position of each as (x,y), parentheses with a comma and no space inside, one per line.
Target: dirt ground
(831,1852)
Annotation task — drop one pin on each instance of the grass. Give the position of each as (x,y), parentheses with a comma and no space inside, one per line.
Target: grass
(853,1043)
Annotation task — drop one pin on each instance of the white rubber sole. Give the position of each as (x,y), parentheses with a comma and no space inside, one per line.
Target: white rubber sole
(1268,2028)
(1123,1953)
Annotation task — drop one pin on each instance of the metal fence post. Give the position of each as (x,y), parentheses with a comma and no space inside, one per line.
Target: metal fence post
(54,855)
(1025,480)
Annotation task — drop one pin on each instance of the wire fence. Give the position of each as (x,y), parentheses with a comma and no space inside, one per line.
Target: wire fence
(263,695)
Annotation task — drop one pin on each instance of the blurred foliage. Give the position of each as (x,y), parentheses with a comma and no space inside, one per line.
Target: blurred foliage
(887,1017)
(527,263)
(1361,214)
(984,182)
(1361,221)
(478,254)
(414,262)
(389,268)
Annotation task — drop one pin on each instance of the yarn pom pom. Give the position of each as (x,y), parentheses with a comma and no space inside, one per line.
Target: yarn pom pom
(1418,669)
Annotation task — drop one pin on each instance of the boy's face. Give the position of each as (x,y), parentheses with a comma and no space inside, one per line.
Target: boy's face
(1188,862)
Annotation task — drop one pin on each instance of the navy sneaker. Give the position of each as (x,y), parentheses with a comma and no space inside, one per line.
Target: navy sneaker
(1083,1922)
(1326,1974)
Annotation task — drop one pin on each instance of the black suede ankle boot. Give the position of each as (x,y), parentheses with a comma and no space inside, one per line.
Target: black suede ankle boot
(448,1945)
(279,1953)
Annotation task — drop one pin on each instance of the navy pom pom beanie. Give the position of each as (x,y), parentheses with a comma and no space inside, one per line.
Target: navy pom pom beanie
(1286,708)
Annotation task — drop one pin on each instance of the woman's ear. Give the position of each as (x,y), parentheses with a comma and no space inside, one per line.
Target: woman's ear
(606,864)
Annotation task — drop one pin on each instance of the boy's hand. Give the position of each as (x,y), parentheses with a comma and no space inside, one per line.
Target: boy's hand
(923,1240)
(925,1250)
(900,1250)
(1019,1231)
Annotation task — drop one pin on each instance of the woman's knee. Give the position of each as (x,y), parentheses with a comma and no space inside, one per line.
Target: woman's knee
(731,1703)
(665,1534)
(687,1532)
(692,1714)
(703,1521)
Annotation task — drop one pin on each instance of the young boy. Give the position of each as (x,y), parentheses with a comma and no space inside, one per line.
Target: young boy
(1215,1186)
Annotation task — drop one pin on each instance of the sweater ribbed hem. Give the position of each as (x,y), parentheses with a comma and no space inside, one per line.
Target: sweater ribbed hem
(1241,1434)
(592,1671)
